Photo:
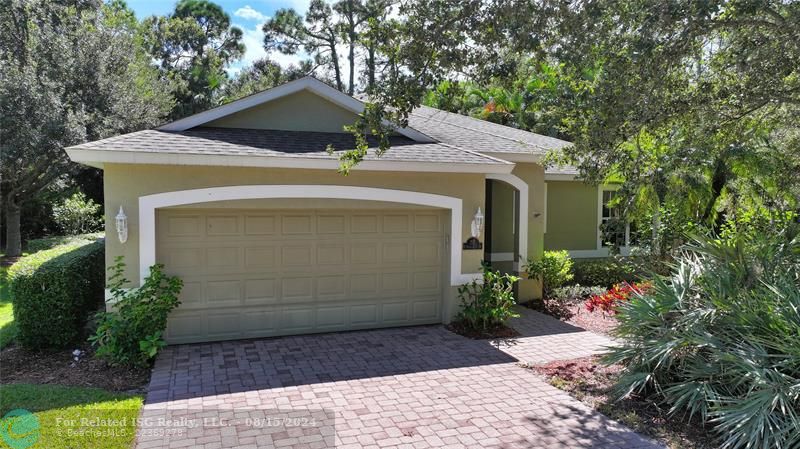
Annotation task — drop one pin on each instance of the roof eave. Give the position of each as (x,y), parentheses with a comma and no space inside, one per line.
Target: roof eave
(98,158)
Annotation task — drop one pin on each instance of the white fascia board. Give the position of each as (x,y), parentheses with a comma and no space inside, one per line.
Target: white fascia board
(95,158)
(308,83)
(515,157)
(560,177)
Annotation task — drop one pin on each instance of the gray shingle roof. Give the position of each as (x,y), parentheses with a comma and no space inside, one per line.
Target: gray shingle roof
(561,170)
(258,142)
(479,135)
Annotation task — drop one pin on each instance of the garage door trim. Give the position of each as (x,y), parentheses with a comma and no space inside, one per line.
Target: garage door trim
(149,203)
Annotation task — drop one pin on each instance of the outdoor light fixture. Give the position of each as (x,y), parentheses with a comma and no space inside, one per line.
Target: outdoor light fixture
(477,226)
(122,226)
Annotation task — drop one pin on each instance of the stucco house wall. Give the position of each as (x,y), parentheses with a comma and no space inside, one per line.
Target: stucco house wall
(571,216)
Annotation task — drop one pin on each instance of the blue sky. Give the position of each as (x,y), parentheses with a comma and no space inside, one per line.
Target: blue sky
(245,14)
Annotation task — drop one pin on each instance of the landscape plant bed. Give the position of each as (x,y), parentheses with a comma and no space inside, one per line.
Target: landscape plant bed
(60,368)
(498,332)
(589,381)
(573,311)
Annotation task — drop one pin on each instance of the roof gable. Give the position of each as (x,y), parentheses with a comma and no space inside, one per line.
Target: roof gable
(299,111)
(308,84)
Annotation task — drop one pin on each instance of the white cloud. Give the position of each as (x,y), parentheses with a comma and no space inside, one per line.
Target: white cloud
(248,13)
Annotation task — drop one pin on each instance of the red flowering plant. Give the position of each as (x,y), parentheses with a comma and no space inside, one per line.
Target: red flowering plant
(608,301)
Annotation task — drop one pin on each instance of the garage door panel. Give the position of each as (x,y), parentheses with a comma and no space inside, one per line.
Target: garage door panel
(260,291)
(261,257)
(259,225)
(396,223)
(222,225)
(257,273)
(395,312)
(297,224)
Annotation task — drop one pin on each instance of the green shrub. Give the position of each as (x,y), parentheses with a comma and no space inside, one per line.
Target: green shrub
(720,339)
(609,271)
(488,303)
(131,334)
(36,245)
(54,291)
(554,270)
(78,215)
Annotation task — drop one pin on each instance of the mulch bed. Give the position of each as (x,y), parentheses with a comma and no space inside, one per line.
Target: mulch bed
(18,365)
(590,381)
(499,332)
(573,311)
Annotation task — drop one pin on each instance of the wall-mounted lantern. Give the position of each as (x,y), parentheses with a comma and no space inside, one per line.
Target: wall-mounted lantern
(122,226)
(477,226)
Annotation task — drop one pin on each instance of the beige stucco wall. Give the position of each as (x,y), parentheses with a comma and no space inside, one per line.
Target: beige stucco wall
(302,111)
(533,175)
(124,184)
(571,216)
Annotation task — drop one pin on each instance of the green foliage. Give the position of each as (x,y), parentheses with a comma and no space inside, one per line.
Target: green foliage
(54,291)
(608,271)
(42,244)
(193,46)
(576,291)
(488,303)
(71,72)
(131,334)
(554,269)
(720,338)
(78,215)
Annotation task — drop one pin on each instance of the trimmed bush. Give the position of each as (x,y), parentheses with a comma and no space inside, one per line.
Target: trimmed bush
(554,270)
(610,271)
(36,245)
(55,290)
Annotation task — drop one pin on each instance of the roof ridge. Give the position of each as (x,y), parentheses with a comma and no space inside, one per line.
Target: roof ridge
(475,153)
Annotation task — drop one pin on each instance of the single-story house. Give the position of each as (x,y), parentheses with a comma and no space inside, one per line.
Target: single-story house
(245,204)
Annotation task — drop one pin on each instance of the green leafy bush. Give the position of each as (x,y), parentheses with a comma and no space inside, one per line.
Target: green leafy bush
(78,215)
(613,270)
(576,291)
(554,270)
(488,303)
(36,245)
(54,291)
(720,339)
(131,334)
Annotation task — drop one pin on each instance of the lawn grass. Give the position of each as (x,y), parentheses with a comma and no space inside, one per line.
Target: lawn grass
(7,327)
(60,411)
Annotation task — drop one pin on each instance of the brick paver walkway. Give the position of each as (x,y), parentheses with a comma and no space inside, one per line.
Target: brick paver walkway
(395,388)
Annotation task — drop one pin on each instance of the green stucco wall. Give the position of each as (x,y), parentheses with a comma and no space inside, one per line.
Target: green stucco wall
(302,111)
(502,217)
(571,216)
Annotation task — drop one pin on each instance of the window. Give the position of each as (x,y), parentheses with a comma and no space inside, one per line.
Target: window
(612,230)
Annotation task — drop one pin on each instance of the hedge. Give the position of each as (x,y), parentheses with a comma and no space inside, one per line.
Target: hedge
(54,291)
(36,245)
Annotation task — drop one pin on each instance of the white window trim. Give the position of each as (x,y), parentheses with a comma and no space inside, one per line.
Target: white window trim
(149,203)
(624,249)
(523,189)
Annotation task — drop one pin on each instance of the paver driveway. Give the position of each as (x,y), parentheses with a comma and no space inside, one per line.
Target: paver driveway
(406,388)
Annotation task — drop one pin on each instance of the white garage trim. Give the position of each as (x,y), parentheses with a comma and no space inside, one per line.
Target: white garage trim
(522,186)
(149,203)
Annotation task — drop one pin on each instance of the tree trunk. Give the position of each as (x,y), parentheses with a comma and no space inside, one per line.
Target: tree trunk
(352,60)
(336,69)
(371,69)
(13,235)
(718,181)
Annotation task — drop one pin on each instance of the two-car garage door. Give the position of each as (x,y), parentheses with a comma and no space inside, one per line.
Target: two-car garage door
(255,272)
